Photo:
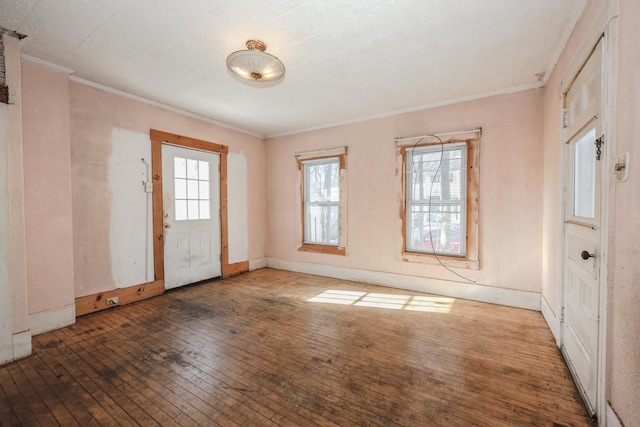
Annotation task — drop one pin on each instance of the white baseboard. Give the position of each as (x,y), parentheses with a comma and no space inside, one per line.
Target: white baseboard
(509,297)
(46,321)
(551,319)
(21,344)
(612,419)
(18,347)
(6,353)
(258,263)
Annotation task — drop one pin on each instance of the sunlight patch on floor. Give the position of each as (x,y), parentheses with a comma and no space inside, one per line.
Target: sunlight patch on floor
(432,304)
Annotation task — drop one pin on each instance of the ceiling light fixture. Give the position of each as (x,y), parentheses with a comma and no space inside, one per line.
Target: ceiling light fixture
(254,66)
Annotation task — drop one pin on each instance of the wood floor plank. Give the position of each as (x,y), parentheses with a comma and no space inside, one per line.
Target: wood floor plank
(175,416)
(55,360)
(43,391)
(252,373)
(20,406)
(111,413)
(235,391)
(60,391)
(258,349)
(146,375)
(32,398)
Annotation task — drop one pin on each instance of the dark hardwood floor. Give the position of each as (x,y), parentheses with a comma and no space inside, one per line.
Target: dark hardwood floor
(253,350)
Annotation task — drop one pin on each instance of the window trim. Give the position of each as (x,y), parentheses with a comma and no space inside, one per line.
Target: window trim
(341,155)
(471,260)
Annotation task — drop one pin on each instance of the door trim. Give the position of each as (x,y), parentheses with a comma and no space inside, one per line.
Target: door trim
(157,138)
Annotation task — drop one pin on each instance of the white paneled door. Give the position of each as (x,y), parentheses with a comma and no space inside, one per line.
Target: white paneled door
(191,217)
(583,188)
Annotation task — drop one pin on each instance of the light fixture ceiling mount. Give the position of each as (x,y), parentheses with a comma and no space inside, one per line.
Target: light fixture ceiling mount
(254,66)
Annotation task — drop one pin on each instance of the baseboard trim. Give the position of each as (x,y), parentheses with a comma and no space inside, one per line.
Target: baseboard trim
(551,319)
(49,320)
(17,347)
(96,302)
(21,344)
(257,264)
(234,269)
(612,419)
(474,292)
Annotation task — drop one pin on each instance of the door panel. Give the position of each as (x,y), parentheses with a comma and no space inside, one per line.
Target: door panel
(582,196)
(191,201)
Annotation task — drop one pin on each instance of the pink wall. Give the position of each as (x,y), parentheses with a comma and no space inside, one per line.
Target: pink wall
(510,190)
(47,176)
(624,246)
(94,116)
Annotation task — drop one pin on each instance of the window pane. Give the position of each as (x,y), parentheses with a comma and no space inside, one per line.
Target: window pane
(192,189)
(204,190)
(192,169)
(181,210)
(205,210)
(192,209)
(181,188)
(323,181)
(203,170)
(584,176)
(436,199)
(179,167)
(322,224)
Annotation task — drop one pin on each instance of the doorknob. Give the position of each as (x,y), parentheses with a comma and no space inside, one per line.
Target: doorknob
(586,255)
(169,226)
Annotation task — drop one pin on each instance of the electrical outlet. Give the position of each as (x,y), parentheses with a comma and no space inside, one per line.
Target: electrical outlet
(112,301)
(622,167)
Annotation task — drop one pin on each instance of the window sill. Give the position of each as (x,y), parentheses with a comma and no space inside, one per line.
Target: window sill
(446,260)
(323,249)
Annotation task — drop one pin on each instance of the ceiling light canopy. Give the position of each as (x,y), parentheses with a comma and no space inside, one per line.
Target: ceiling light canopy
(254,66)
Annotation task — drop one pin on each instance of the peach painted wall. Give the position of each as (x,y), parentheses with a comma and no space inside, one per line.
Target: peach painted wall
(624,243)
(511,167)
(95,115)
(47,176)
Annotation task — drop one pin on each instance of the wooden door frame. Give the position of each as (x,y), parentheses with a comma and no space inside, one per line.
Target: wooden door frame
(157,138)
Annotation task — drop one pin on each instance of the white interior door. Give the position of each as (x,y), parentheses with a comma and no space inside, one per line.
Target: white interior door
(191,203)
(582,231)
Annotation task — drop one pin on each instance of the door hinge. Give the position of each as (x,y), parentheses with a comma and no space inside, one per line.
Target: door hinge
(565,115)
(561,315)
(599,142)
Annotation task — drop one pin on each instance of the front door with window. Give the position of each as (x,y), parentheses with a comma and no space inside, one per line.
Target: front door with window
(191,217)
(583,178)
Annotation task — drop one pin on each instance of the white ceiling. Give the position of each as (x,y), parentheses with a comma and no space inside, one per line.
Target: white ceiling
(347,60)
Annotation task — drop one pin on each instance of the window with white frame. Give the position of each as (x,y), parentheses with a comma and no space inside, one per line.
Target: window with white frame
(322,202)
(441,183)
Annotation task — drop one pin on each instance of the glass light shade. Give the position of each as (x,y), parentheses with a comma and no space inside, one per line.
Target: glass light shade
(255,65)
